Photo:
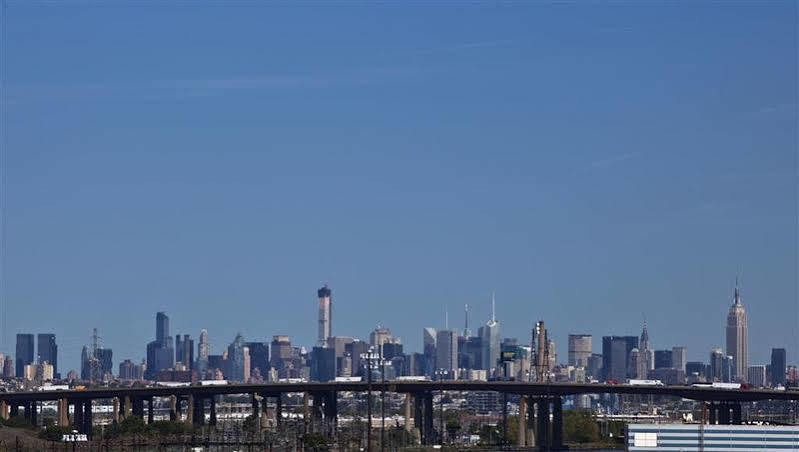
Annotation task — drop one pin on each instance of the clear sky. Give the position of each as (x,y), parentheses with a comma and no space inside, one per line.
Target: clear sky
(594,164)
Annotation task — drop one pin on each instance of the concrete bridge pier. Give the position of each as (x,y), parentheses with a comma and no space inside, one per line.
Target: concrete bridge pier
(736,413)
(127,407)
(279,409)
(115,408)
(428,418)
(542,422)
(87,417)
(522,436)
(77,417)
(14,409)
(173,408)
(63,413)
(4,410)
(407,411)
(549,432)
(418,417)
(212,420)
(150,410)
(190,409)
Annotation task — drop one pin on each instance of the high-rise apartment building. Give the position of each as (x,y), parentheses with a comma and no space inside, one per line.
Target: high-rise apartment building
(778,367)
(48,350)
(579,349)
(736,335)
(203,351)
(235,359)
(24,353)
(281,351)
(325,315)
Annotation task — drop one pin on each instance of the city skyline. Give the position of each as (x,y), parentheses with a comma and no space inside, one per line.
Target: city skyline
(590,165)
(205,347)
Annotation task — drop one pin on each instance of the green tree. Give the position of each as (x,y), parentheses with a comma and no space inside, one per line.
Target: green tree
(579,426)
(54,432)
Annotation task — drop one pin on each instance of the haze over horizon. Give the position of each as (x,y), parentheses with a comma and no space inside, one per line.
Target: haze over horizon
(594,166)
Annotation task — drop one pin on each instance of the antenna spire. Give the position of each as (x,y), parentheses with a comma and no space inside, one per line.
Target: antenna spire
(493,307)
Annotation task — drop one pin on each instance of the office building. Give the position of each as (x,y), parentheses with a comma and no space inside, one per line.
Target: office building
(48,350)
(356,349)
(756,376)
(736,336)
(616,356)
(489,333)
(646,354)
(663,359)
(8,368)
(716,365)
(325,315)
(281,352)
(594,367)
(580,349)
(184,351)
(235,359)
(447,351)
(259,357)
(778,367)
(429,351)
(679,358)
(24,353)
(160,352)
(323,364)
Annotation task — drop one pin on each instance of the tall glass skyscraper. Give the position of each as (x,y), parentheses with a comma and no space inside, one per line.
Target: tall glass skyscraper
(48,350)
(24,354)
(490,339)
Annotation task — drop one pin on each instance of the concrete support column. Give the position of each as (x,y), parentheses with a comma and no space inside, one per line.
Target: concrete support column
(542,415)
(557,423)
(127,407)
(522,436)
(418,419)
(212,421)
(4,410)
(724,413)
(279,409)
(256,412)
(190,409)
(173,408)
(530,421)
(407,411)
(78,420)
(199,411)
(150,410)
(711,408)
(736,413)
(14,409)
(306,409)
(428,417)
(34,418)
(115,408)
(87,417)
(504,430)
(63,413)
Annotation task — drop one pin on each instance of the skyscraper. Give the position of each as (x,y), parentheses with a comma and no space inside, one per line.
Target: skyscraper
(490,339)
(24,353)
(647,355)
(160,353)
(616,355)
(48,350)
(447,350)
(184,351)
(579,349)
(736,336)
(325,315)
(203,351)
(259,357)
(778,367)
(235,358)
(679,358)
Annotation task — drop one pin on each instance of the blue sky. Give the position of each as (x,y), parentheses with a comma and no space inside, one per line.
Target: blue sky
(594,164)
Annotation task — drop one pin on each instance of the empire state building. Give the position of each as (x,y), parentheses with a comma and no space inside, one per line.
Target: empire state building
(736,335)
